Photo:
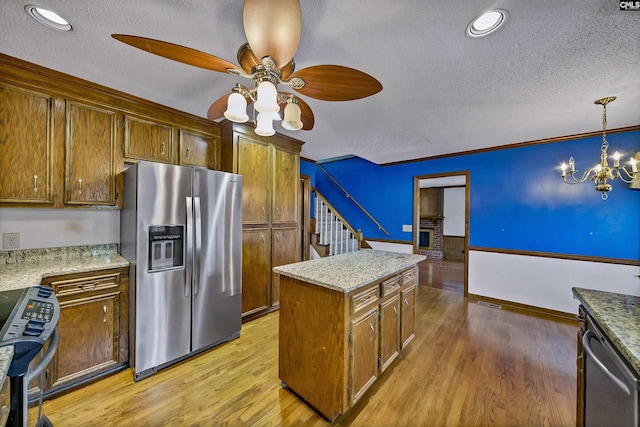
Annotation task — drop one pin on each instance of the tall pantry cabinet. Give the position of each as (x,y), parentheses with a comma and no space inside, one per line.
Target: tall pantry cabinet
(270,167)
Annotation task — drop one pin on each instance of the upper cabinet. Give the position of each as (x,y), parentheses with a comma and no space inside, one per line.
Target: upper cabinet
(253,164)
(90,177)
(64,141)
(432,203)
(286,174)
(26,146)
(146,140)
(199,149)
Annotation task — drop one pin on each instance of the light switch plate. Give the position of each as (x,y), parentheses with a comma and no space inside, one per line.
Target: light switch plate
(10,240)
(407,227)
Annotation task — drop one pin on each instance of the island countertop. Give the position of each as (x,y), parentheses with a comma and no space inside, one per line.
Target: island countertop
(619,317)
(347,272)
(21,269)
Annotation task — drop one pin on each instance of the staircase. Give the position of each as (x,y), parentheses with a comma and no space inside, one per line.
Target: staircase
(333,236)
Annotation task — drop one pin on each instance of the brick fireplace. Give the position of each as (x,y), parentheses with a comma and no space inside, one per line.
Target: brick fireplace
(433,227)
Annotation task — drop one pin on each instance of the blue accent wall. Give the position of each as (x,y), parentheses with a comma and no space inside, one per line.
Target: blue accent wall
(517,198)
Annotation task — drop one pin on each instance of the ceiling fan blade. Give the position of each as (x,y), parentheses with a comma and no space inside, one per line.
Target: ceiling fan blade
(336,83)
(306,115)
(217,109)
(246,58)
(178,53)
(273,28)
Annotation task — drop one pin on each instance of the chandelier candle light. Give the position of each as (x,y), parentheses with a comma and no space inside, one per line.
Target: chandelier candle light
(602,171)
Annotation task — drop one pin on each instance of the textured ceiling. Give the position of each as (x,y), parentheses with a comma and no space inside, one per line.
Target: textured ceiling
(535,78)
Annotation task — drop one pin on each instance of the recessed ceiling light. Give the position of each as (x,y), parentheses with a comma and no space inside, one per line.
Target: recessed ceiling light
(487,23)
(48,18)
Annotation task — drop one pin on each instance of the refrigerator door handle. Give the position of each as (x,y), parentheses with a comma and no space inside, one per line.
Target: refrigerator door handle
(189,247)
(198,245)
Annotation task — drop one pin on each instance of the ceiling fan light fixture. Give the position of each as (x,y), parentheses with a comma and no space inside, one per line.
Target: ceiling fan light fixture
(264,127)
(48,18)
(236,108)
(487,23)
(267,98)
(292,117)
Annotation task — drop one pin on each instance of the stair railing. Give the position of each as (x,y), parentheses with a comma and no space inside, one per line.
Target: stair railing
(333,230)
(380,227)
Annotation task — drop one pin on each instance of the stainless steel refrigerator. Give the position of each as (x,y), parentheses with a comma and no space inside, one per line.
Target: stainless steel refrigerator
(181,230)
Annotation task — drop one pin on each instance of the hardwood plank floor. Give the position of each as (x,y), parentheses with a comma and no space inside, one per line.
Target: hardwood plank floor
(468,365)
(442,274)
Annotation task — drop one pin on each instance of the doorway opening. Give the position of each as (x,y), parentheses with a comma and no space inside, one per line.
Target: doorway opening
(441,229)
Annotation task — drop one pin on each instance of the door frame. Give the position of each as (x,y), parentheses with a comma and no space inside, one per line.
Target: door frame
(416,215)
(304,210)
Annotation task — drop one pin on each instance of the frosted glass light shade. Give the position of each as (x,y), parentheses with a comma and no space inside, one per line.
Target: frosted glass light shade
(292,117)
(267,101)
(264,127)
(236,108)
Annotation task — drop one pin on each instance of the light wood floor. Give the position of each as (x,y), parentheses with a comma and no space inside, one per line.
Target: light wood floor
(469,365)
(442,274)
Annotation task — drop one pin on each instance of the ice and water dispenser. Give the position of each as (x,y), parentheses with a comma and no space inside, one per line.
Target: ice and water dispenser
(165,247)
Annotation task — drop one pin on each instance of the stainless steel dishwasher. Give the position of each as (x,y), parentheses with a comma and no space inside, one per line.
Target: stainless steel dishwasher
(611,385)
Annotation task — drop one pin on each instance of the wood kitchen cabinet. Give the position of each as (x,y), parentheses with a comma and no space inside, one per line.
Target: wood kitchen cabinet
(91,139)
(408,306)
(93,327)
(363,354)
(283,242)
(26,145)
(389,322)
(334,345)
(270,167)
(256,270)
(199,149)
(146,140)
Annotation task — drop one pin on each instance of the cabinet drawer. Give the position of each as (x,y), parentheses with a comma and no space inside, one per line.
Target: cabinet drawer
(390,286)
(408,277)
(364,298)
(85,284)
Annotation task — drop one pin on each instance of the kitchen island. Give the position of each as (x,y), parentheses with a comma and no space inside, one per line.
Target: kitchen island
(343,320)
(610,324)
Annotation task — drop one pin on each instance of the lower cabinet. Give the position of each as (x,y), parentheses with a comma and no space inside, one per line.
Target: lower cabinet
(93,327)
(333,346)
(364,353)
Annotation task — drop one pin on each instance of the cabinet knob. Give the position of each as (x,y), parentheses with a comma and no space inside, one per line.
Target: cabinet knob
(104,308)
(162,148)
(80,186)
(395,310)
(35,183)
(188,153)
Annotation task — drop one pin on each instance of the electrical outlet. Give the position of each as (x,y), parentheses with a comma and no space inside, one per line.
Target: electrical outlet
(10,240)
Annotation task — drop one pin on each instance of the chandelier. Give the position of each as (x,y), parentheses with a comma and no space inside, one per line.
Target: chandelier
(602,171)
(266,99)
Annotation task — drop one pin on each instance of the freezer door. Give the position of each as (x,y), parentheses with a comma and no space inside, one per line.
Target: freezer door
(217,288)
(162,296)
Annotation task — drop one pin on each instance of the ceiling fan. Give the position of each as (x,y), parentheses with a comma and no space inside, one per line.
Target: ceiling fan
(273,29)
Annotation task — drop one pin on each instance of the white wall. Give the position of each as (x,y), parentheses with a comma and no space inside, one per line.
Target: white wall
(391,247)
(545,282)
(454,210)
(49,228)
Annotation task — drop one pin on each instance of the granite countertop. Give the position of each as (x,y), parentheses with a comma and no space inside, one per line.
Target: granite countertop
(350,271)
(619,318)
(24,268)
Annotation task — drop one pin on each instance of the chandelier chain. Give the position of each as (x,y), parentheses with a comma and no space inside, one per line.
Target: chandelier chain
(605,144)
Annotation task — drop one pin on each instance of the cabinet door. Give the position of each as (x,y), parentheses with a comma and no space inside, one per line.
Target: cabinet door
(88,338)
(389,331)
(26,144)
(256,270)
(253,165)
(364,354)
(145,140)
(90,155)
(284,251)
(285,186)
(198,149)
(408,296)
